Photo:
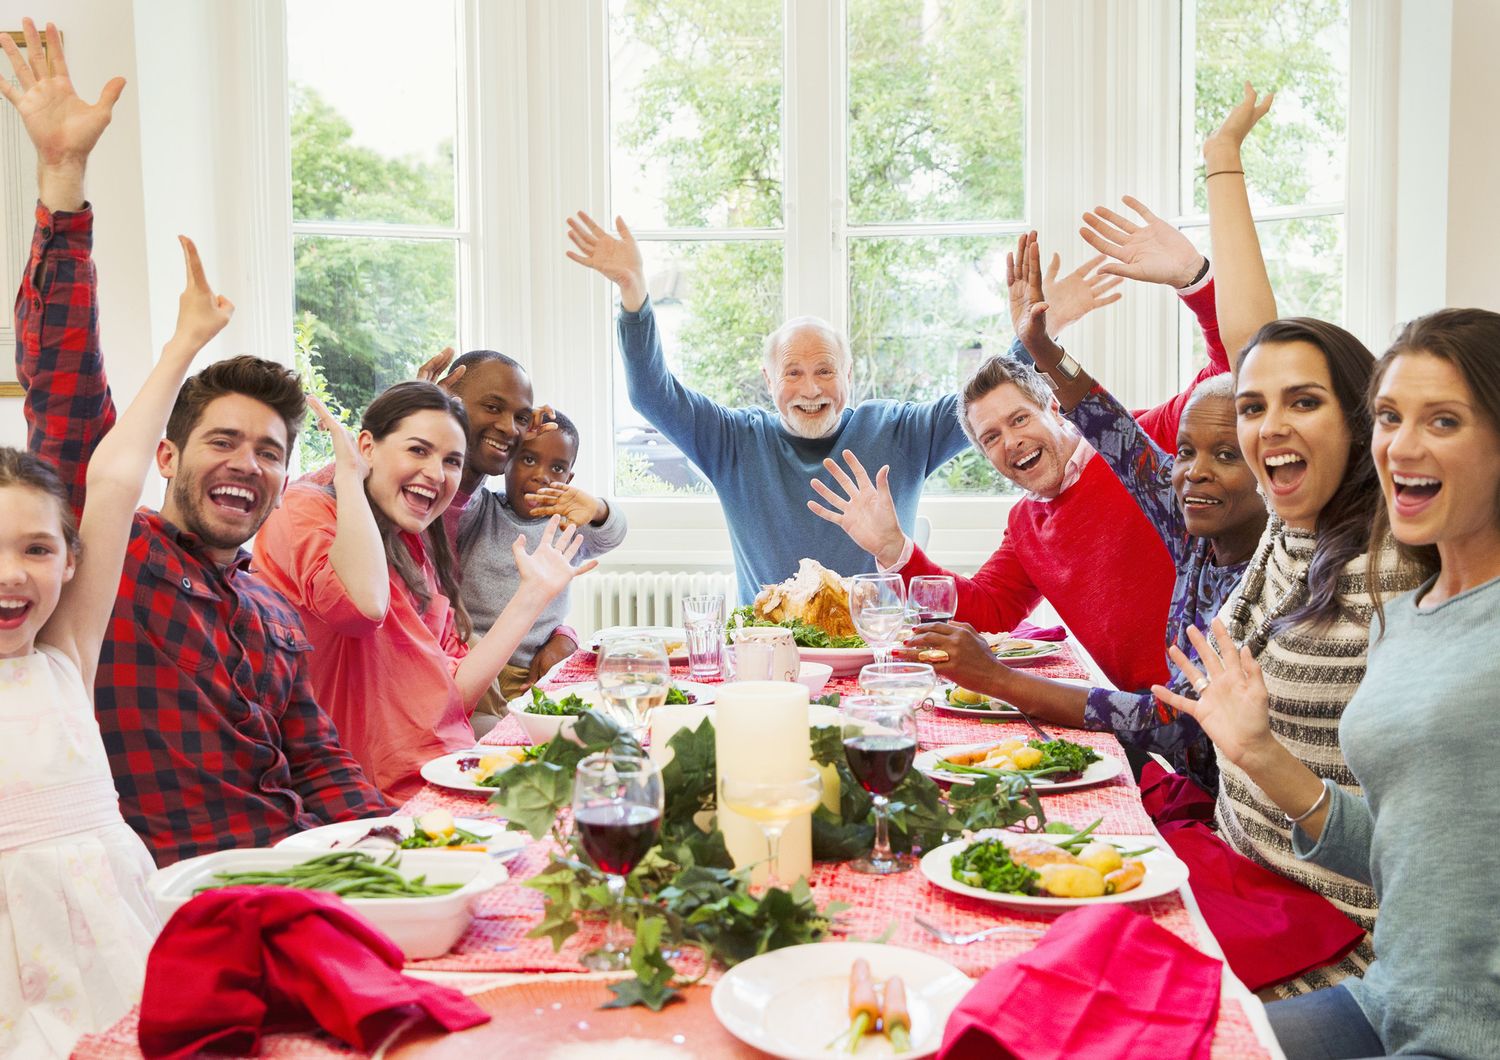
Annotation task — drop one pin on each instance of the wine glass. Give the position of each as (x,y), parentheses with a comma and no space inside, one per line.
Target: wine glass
(932,597)
(906,682)
(634,677)
(877,603)
(880,743)
(772,804)
(617,805)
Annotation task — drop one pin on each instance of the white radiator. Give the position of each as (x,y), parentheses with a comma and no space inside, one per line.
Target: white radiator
(640,598)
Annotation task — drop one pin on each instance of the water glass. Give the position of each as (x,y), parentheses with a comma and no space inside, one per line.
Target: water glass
(907,683)
(932,597)
(617,807)
(877,603)
(634,678)
(703,618)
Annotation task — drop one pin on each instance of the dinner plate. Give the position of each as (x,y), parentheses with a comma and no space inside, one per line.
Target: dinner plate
(1164,874)
(674,637)
(502,844)
(1005,710)
(1107,768)
(1034,649)
(446,773)
(845,661)
(792,1002)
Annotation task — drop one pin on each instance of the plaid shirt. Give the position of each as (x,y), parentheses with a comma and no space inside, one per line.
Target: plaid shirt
(202,694)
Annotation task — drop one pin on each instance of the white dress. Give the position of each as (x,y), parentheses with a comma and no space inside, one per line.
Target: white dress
(75,919)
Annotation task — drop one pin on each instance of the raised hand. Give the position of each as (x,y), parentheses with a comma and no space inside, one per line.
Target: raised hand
(617,258)
(549,567)
(1028,308)
(866,512)
(1232,705)
(347,458)
(1151,251)
(1222,148)
(201,314)
(61,125)
(543,419)
(432,369)
(569,503)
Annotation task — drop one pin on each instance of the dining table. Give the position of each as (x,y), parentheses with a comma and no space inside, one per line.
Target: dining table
(542,996)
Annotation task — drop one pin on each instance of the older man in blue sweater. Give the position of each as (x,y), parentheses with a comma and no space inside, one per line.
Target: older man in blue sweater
(760,461)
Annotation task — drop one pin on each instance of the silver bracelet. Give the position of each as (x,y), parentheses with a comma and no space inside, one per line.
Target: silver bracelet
(1314,808)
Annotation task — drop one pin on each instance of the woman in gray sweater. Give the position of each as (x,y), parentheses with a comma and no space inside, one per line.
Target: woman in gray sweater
(1420,733)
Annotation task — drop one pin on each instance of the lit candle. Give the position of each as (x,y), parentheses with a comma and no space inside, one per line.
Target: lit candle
(761,732)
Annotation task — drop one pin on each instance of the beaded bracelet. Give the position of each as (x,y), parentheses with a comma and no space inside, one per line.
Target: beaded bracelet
(1314,808)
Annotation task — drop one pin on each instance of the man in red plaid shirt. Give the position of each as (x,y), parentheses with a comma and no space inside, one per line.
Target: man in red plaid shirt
(202,693)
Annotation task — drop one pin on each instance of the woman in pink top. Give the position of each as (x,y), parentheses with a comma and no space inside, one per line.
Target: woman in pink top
(368,567)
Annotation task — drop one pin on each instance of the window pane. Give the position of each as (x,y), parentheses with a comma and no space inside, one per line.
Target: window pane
(923,314)
(378,308)
(368,145)
(695,112)
(715,303)
(1300,48)
(936,110)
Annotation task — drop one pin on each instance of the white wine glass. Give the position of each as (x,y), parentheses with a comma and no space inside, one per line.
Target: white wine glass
(877,603)
(635,675)
(772,804)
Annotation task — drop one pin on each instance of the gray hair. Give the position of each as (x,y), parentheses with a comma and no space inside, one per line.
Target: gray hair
(774,341)
(1215,386)
(995,372)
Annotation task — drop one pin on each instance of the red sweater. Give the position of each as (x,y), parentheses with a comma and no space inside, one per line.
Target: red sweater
(1091,553)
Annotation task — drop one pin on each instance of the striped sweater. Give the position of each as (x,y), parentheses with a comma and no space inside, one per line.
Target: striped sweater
(1311,673)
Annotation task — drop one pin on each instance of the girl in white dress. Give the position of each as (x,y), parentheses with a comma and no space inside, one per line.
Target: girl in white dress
(75,920)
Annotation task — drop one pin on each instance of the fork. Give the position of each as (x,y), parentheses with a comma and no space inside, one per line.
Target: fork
(950,939)
(1042,734)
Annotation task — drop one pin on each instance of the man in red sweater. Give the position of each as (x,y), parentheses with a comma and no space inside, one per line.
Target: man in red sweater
(1076,538)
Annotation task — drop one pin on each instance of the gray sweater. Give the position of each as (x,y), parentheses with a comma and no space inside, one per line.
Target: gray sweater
(1421,735)
(490,578)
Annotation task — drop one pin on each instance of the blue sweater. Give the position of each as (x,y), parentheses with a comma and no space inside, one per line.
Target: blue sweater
(761,471)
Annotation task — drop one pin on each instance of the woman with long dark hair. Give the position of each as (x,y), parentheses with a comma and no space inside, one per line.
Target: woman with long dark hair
(1420,732)
(367,564)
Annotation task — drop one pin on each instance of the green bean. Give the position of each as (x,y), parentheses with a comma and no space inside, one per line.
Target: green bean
(350,874)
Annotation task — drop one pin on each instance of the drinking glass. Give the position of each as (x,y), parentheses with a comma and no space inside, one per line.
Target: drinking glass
(703,617)
(877,603)
(880,743)
(772,804)
(905,682)
(617,804)
(634,676)
(932,597)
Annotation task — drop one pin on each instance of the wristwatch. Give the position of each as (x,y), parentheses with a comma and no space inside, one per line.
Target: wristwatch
(1066,366)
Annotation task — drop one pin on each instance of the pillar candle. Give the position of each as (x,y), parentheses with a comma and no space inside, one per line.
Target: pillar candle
(665,723)
(760,730)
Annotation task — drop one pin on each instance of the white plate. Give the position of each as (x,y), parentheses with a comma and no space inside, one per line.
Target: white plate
(422,927)
(845,661)
(670,635)
(444,771)
(1164,874)
(1041,649)
(1107,768)
(940,697)
(792,1002)
(502,844)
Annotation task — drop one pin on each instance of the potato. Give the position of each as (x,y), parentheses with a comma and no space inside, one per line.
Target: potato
(1100,856)
(1071,881)
(1026,757)
(435,823)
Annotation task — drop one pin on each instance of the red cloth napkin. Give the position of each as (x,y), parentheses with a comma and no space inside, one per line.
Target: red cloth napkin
(1105,981)
(1173,798)
(1027,631)
(235,963)
(1271,928)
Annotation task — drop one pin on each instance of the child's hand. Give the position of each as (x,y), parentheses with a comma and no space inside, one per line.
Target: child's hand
(346,454)
(571,504)
(201,314)
(543,419)
(549,569)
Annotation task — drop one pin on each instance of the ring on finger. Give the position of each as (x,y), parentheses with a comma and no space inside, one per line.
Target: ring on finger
(1200,684)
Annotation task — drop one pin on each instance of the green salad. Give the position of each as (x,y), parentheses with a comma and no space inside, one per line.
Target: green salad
(569,706)
(988,864)
(804,635)
(1064,755)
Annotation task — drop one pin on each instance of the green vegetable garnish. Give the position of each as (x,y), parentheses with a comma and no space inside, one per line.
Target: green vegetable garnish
(569,706)
(677,695)
(804,635)
(987,864)
(1064,755)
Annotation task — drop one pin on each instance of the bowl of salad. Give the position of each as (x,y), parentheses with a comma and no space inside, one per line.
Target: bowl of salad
(548,714)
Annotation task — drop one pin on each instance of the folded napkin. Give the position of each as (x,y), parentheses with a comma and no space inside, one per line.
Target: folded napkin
(1026,631)
(1173,798)
(238,962)
(1271,928)
(1104,981)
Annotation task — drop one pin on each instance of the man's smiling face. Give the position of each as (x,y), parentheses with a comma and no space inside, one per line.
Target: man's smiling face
(498,399)
(810,382)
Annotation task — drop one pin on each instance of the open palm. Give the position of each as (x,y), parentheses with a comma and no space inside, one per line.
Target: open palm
(62,126)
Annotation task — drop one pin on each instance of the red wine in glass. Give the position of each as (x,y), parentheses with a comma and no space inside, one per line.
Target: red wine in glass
(617,835)
(880,761)
(933,616)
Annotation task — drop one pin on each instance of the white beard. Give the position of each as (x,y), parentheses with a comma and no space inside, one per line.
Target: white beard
(803,426)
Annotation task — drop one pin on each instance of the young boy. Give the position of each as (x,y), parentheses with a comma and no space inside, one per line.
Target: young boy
(537,486)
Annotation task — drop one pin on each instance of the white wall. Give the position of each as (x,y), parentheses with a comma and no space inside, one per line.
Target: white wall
(1473,226)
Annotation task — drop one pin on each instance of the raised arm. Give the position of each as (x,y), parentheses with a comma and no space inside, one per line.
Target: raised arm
(357,553)
(1245,293)
(1070,298)
(68,406)
(119,466)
